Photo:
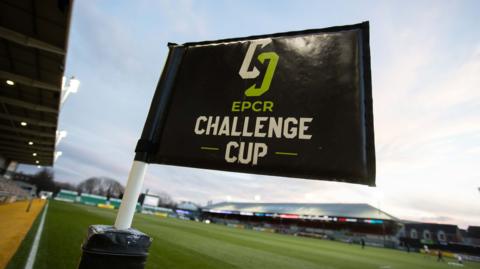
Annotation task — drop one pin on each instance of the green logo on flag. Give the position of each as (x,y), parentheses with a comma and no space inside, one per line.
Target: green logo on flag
(253,91)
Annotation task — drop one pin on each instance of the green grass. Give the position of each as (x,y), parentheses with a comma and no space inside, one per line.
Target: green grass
(186,244)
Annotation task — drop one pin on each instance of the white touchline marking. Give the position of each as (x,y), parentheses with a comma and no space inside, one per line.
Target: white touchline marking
(36,241)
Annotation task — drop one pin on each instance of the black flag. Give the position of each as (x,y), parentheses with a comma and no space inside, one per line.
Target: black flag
(296,104)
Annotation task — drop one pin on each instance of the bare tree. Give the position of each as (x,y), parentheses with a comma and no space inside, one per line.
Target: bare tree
(44,180)
(64,186)
(165,200)
(101,186)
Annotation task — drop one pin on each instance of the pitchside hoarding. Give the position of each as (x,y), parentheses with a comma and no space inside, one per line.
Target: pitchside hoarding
(296,104)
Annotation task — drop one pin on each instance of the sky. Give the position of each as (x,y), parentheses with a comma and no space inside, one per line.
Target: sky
(426,92)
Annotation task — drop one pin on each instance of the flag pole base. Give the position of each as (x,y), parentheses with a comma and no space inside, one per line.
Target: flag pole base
(108,247)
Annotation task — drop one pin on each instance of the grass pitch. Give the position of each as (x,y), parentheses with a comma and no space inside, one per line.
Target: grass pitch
(186,244)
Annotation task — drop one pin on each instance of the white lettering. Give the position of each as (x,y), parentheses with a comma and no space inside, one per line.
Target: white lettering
(303,127)
(234,127)
(225,127)
(241,155)
(199,131)
(293,131)
(258,126)
(260,150)
(275,127)
(212,125)
(245,132)
(228,157)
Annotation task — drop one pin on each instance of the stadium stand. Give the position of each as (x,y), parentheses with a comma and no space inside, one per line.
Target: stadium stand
(30,188)
(92,199)
(188,210)
(472,235)
(32,60)
(446,237)
(343,222)
(67,196)
(115,202)
(11,192)
(430,233)
(161,211)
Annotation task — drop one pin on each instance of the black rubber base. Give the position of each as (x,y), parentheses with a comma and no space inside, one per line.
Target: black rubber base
(107,247)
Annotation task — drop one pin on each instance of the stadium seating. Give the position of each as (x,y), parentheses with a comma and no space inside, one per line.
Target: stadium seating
(92,199)
(66,196)
(11,192)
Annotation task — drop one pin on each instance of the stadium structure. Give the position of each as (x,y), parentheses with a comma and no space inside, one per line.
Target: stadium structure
(188,210)
(349,223)
(440,236)
(471,235)
(33,49)
(344,222)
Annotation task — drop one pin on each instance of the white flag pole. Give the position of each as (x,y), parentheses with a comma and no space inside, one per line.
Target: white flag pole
(130,197)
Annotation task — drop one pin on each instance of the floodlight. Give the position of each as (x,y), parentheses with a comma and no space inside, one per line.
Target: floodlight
(60,136)
(57,154)
(73,85)
(69,87)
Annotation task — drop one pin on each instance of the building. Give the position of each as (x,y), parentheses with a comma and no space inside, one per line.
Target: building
(446,237)
(417,234)
(430,233)
(472,236)
(188,210)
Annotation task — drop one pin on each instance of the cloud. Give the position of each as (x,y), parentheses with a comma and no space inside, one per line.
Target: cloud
(423,138)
